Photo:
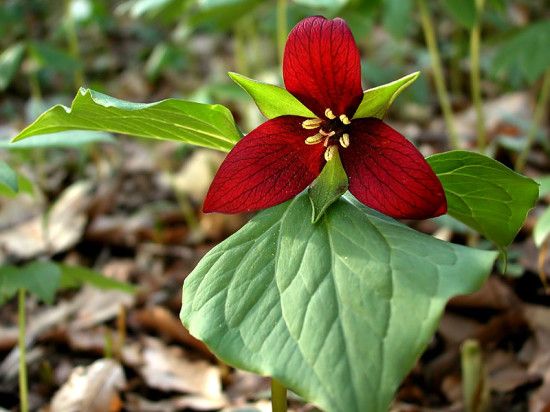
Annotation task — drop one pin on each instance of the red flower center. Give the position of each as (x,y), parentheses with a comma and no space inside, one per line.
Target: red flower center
(333,131)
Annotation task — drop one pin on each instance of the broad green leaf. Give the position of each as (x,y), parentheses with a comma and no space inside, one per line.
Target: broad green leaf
(377,101)
(74,276)
(222,14)
(484,194)
(527,50)
(171,119)
(325,4)
(464,11)
(47,56)
(8,179)
(338,311)
(68,139)
(273,101)
(40,278)
(166,10)
(542,228)
(10,60)
(397,16)
(331,183)
(544,188)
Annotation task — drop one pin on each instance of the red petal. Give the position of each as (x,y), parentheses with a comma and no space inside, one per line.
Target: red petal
(322,66)
(387,173)
(268,166)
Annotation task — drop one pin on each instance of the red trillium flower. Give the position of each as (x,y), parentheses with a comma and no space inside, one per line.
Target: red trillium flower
(283,156)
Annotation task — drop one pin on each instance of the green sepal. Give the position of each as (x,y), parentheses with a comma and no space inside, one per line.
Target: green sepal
(377,101)
(331,183)
(272,101)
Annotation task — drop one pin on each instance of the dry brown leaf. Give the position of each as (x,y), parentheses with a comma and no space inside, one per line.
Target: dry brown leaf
(455,328)
(52,232)
(165,323)
(137,403)
(91,389)
(494,294)
(167,368)
(505,373)
(196,174)
(538,318)
(97,306)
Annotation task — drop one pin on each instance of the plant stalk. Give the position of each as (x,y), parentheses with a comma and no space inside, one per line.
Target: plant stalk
(443,96)
(278,396)
(241,61)
(72,40)
(282,27)
(23,384)
(540,110)
(475,77)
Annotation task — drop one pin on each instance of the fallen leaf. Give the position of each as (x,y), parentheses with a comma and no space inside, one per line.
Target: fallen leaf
(167,368)
(165,323)
(91,389)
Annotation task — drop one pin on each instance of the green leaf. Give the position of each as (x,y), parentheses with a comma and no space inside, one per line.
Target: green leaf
(377,101)
(544,183)
(397,16)
(172,119)
(331,183)
(527,50)
(222,14)
(324,4)
(542,228)
(464,11)
(273,101)
(338,311)
(10,60)
(40,278)
(8,179)
(74,276)
(60,140)
(47,56)
(484,194)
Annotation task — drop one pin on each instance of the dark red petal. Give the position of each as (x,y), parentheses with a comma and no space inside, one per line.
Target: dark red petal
(322,66)
(387,173)
(268,166)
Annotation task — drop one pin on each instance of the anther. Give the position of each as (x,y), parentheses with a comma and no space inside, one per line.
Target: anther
(330,152)
(344,119)
(311,123)
(344,140)
(329,114)
(318,138)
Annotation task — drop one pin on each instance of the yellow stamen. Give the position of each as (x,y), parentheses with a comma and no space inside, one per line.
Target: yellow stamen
(344,140)
(329,114)
(311,123)
(344,119)
(318,138)
(330,152)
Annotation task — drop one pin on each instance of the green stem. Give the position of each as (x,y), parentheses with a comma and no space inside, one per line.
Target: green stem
(23,388)
(540,110)
(282,27)
(444,101)
(241,61)
(278,396)
(454,70)
(72,40)
(475,77)
(34,84)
